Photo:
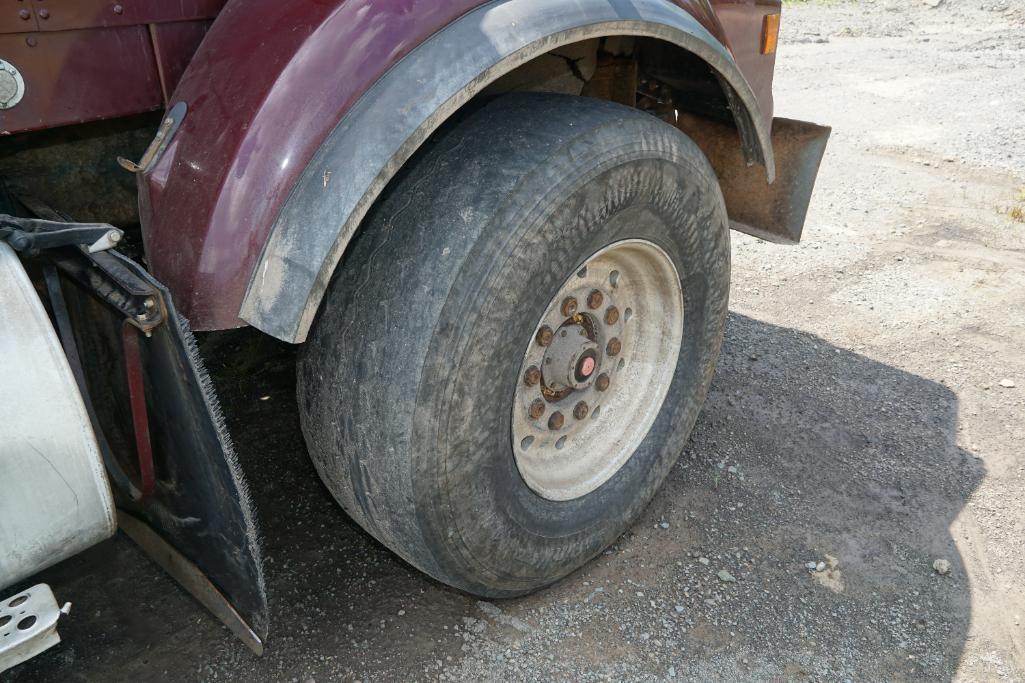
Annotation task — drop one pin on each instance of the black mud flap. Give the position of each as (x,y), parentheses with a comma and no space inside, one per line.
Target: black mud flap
(186,504)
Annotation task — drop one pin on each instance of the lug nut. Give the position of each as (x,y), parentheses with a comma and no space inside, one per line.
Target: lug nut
(614,347)
(537,409)
(544,335)
(580,410)
(556,421)
(602,383)
(594,299)
(569,306)
(611,315)
(532,376)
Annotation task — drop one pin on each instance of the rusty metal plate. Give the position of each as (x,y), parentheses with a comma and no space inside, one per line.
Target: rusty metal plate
(773,212)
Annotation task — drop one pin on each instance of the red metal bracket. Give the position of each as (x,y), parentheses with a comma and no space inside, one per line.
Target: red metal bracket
(140,418)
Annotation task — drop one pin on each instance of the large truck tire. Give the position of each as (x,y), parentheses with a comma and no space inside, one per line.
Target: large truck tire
(516,346)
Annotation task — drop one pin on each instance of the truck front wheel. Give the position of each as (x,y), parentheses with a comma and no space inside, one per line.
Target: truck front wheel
(517,344)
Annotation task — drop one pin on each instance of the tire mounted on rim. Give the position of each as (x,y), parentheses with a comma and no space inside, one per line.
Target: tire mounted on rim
(518,343)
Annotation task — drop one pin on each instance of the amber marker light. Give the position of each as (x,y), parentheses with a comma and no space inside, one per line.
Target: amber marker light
(770,34)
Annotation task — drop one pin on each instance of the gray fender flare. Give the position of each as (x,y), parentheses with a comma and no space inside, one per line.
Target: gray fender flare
(398,113)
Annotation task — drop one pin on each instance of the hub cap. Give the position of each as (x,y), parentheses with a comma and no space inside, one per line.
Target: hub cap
(597,369)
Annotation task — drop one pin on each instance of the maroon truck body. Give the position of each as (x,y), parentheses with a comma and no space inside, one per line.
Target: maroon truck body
(276,77)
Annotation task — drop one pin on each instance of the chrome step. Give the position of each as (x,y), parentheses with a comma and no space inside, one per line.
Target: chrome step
(28,625)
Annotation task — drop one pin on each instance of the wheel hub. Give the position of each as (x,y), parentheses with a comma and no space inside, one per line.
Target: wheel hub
(570,361)
(597,369)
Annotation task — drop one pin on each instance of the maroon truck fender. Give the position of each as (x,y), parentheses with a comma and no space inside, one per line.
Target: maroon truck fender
(299,114)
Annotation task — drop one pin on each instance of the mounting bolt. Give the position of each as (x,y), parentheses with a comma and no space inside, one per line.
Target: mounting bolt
(537,409)
(24,14)
(149,303)
(44,13)
(113,236)
(611,315)
(580,410)
(594,299)
(602,383)
(556,421)
(544,335)
(614,347)
(569,306)
(532,376)
(118,9)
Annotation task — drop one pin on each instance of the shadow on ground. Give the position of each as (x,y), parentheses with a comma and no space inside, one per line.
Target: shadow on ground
(805,452)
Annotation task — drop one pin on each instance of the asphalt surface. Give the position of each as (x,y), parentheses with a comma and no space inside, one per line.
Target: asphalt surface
(866,418)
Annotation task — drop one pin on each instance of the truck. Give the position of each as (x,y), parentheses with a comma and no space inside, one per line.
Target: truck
(498,231)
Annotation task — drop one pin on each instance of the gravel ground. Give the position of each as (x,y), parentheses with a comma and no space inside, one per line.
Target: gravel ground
(865,423)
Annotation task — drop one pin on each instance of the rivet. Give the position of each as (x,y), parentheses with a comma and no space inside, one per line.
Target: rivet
(602,383)
(594,299)
(532,376)
(614,347)
(569,306)
(611,315)
(580,410)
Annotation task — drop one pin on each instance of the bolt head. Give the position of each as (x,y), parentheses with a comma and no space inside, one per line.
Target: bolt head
(537,409)
(595,299)
(24,14)
(544,335)
(532,376)
(580,410)
(569,306)
(44,14)
(611,315)
(602,383)
(556,421)
(614,347)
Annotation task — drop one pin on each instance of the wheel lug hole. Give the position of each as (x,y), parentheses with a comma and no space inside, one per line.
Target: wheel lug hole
(580,410)
(537,409)
(544,335)
(556,420)
(532,376)
(611,315)
(614,347)
(569,306)
(594,299)
(602,383)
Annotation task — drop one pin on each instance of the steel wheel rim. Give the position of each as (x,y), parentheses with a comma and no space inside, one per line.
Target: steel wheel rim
(639,304)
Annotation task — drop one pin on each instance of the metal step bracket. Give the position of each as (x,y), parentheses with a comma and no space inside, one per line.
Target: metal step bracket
(28,625)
